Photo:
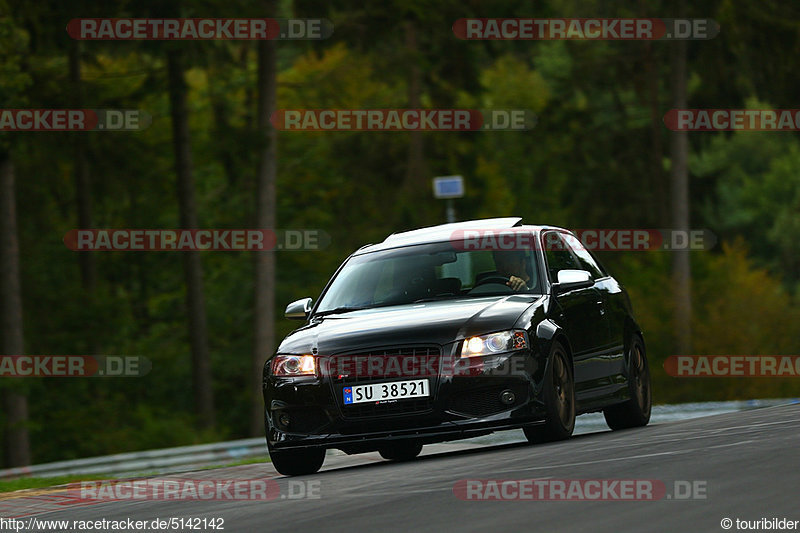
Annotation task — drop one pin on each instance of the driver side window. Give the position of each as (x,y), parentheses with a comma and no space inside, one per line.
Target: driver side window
(558,255)
(584,256)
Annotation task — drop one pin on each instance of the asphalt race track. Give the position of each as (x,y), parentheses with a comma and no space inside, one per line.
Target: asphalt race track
(747,462)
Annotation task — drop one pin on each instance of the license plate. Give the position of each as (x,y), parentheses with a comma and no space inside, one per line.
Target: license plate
(395,390)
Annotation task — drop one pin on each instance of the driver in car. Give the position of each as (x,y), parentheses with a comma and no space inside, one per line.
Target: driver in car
(511,264)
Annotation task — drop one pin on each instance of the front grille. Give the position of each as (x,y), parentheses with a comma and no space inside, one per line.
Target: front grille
(400,407)
(387,373)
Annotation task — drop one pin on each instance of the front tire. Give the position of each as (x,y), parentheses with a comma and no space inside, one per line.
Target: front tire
(400,451)
(635,412)
(298,462)
(559,398)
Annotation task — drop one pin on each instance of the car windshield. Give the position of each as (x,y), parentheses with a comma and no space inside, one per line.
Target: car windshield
(428,272)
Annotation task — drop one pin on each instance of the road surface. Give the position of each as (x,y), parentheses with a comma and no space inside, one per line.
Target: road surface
(742,465)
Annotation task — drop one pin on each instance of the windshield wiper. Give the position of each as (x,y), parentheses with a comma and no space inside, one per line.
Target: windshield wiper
(437,298)
(339,310)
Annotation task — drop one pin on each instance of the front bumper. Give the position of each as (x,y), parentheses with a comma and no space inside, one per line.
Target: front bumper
(460,406)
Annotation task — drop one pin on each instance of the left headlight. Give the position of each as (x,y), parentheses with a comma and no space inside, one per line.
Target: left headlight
(293,365)
(494,343)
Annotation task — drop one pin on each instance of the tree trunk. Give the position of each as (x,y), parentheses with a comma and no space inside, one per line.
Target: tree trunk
(264,313)
(193,270)
(417,207)
(679,154)
(416,175)
(658,185)
(82,196)
(16,442)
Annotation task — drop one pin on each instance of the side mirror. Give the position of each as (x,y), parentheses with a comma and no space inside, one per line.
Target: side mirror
(569,280)
(298,310)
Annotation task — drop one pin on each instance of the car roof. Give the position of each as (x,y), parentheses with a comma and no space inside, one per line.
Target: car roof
(444,232)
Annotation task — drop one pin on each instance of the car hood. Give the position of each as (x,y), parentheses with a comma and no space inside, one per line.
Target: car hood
(438,322)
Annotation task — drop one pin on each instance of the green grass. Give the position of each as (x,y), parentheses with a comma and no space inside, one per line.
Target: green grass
(250,461)
(10,485)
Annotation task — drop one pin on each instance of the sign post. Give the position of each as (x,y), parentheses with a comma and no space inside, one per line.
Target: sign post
(446,188)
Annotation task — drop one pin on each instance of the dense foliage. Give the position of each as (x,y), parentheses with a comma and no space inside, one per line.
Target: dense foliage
(592,161)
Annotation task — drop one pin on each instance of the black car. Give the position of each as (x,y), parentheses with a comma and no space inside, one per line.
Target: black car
(451,332)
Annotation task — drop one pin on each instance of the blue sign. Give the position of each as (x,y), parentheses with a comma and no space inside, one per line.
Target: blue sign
(448,187)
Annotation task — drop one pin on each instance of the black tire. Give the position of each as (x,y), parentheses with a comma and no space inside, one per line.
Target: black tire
(298,462)
(559,398)
(635,412)
(400,451)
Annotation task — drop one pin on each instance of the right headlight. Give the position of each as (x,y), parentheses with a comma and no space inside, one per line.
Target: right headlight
(494,343)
